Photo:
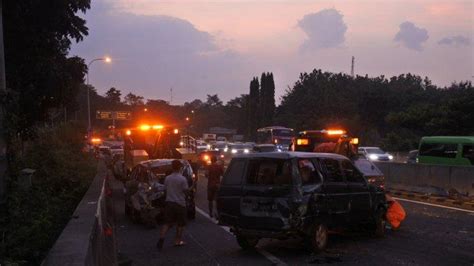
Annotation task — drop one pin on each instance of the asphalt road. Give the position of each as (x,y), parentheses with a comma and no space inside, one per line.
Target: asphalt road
(429,236)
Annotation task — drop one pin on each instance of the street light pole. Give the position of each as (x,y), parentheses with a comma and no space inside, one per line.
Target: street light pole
(89,126)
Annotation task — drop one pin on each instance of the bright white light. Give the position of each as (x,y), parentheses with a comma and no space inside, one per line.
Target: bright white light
(246,150)
(373,157)
(390,157)
(234,151)
(226,149)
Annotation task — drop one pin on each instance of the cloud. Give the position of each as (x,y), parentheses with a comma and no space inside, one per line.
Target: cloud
(411,36)
(325,29)
(455,40)
(152,54)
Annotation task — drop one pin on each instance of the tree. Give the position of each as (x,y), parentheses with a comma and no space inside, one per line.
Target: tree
(213,100)
(113,97)
(252,110)
(39,74)
(267,99)
(133,100)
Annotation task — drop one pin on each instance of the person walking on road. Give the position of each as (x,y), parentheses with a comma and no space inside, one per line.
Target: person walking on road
(214,173)
(176,186)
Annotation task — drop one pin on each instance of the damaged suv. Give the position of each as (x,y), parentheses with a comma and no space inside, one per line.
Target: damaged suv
(297,194)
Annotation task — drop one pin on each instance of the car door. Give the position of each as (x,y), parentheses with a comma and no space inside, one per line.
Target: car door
(335,191)
(228,196)
(265,202)
(360,200)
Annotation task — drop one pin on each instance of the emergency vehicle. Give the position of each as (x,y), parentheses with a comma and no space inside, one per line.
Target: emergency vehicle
(338,141)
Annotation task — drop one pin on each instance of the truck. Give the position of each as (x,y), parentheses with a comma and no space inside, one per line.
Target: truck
(340,142)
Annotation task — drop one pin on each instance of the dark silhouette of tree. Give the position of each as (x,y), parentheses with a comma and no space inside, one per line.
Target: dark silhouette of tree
(113,96)
(133,100)
(253,108)
(40,76)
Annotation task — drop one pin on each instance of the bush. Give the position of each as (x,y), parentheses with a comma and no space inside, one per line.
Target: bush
(37,216)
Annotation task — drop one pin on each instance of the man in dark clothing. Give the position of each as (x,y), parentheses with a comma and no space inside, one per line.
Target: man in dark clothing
(176,186)
(214,173)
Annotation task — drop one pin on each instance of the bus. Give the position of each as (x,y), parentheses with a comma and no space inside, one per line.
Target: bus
(447,150)
(277,135)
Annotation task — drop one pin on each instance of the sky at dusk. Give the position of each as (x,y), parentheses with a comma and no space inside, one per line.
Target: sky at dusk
(208,47)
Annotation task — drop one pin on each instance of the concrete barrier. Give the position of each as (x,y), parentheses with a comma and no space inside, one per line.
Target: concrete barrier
(424,178)
(89,237)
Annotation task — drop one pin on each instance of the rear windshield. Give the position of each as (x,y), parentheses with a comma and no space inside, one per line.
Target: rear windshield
(269,172)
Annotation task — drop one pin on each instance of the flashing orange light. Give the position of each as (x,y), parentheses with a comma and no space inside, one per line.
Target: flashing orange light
(158,127)
(276,141)
(176,131)
(145,127)
(206,157)
(336,132)
(128,132)
(302,141)
(355,141)
(96,140)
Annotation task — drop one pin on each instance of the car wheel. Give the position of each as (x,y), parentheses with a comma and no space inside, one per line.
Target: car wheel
(380,223)
(246,242)
(318,237)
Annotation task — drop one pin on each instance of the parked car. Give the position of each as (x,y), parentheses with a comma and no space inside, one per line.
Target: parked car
(266,148)
(295,194)
(412,157)
(143,201)
(375,154)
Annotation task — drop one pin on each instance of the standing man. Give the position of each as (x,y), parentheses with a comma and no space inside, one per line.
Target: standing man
(176,186)
(214,173)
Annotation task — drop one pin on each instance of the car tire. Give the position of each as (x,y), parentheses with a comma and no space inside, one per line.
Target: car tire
(318,237)
(379,224)
(246,243)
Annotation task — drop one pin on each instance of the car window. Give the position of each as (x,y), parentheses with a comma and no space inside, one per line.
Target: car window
(468,152)
(234,173)
(269,172)
(308,172)
(351,173)
(332,171)
(439,150)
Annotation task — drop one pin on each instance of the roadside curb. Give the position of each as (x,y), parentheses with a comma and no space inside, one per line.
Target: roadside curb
(465,203)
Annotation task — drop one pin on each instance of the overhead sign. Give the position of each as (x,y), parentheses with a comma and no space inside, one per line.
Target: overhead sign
(123,115)
(104,115)
(113,115)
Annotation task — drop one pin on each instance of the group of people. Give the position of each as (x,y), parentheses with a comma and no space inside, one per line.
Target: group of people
(176,186)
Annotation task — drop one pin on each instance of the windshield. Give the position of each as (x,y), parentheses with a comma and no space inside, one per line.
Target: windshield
(240,146)
(375,151)
(282,133)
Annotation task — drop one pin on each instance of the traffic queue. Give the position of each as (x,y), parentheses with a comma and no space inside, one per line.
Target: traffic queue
(286,185)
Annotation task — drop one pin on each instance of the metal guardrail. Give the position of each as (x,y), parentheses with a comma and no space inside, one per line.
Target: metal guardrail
(89,237)
(102,246)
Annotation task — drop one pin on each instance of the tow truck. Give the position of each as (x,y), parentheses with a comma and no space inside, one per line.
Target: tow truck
(150,142)
(157,142)
(340,142)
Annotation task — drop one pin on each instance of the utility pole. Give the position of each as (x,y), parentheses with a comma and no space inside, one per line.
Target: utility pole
(3,146)
(171,95)
(352,67)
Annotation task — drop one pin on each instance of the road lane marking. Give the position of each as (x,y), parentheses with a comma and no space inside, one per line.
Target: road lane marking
(434,205)
(266,254)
